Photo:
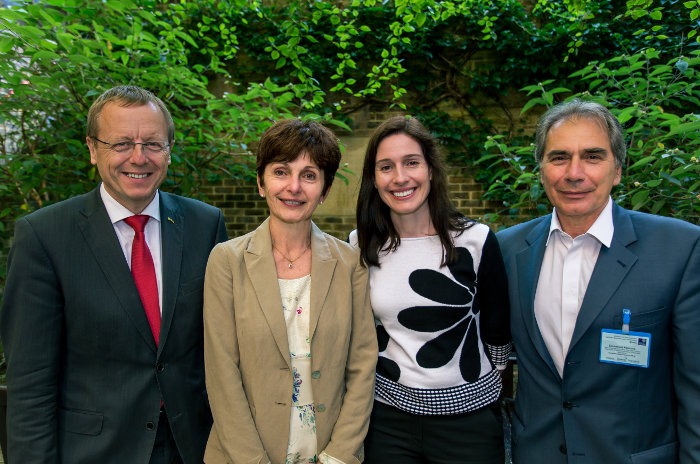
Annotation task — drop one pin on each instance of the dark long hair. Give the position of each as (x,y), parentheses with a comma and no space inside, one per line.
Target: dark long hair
(374,225)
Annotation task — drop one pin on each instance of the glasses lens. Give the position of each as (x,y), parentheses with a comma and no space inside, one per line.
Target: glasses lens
(153,147)
(122,147)
(128,146)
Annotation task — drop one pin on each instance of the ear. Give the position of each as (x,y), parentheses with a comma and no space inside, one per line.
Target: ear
(172,144)
(261,190)
(93,150)
(325,195)
(618,175)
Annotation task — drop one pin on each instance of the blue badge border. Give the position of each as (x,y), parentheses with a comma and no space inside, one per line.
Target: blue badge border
(615,331)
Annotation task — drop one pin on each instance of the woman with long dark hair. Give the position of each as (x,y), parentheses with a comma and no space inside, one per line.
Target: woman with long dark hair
(440,298)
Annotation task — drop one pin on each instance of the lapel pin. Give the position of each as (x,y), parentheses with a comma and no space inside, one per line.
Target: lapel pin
(169,219)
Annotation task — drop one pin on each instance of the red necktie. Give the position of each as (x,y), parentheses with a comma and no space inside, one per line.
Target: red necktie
(144,273)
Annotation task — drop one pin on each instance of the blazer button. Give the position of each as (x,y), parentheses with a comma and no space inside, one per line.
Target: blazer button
(568,405)
(562,449)
(150,425)
(316,375)
(160,367)
(321,407)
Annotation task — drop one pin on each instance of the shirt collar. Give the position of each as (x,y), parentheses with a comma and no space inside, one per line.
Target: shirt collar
(118,212)
(602,229)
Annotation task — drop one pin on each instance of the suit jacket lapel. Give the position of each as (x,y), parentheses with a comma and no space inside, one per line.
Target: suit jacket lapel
(172,225)
(322,269)
(610,269)
(529,263)
(261,268)
(100,238)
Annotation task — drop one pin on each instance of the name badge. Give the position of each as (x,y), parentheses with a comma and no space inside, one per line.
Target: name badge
(628,348)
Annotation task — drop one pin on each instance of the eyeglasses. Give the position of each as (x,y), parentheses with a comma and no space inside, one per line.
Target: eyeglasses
(128,146)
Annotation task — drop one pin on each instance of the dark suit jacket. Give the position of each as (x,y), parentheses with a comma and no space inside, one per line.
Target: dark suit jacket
(608,413)
(85,379)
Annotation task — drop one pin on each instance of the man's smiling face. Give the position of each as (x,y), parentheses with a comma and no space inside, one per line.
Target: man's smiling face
(131,177)
(578,172)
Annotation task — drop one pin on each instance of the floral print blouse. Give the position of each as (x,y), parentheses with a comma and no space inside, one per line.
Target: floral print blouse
(295,294)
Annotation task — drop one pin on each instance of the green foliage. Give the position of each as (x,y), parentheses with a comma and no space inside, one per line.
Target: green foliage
(656,100)
(417,56)
(441,60)
(228,68)
(56,58)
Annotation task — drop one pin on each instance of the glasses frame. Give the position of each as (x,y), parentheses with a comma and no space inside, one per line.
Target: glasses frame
(144,149)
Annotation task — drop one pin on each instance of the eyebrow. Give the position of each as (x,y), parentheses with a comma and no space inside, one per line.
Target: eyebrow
(149,137)
(407,156)
(286,165)
(587,151)
(595,151)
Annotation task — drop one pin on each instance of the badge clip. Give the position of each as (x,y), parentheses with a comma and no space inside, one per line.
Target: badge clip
(626,316)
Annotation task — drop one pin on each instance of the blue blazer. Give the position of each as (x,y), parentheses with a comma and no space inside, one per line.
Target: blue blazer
(85,378)
(603,413)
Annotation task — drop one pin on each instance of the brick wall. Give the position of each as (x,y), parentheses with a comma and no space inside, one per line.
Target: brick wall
(242,206)
(467,193)
(244,210)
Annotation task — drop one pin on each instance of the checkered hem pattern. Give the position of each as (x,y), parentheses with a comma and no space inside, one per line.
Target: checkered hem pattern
(441,401)
(500,354)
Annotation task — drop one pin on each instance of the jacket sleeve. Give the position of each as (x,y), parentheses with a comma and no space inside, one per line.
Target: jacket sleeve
(686,366)
(31,324)
(353,421)
(229,404)
(493,302)
(221,234)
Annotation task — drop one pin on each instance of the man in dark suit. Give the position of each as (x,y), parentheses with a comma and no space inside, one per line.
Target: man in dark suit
(102,322)
(595,385)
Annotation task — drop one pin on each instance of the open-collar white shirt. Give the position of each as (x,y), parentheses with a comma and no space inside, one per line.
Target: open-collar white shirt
(117,213)
(566,270)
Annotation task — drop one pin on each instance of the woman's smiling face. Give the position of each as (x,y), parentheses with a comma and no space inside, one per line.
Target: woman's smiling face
(402,175)
(292,189)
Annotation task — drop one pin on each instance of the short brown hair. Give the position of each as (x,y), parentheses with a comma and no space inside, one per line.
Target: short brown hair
(127,95)
(289,138)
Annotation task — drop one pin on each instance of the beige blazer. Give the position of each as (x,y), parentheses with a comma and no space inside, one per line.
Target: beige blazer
(248,372)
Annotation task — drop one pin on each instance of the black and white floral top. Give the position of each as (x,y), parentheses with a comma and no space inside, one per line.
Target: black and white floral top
(442,331)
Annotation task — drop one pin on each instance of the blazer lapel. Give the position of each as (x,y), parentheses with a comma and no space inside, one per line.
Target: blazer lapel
(100,238)
(529,263)
(610,269)
(322,269)
(260,265)
(172,226)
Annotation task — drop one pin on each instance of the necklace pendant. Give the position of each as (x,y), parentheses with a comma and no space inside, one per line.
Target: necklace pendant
(291,266)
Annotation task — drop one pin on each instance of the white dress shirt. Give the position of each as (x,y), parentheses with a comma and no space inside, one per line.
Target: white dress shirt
(117,213)
(566,270)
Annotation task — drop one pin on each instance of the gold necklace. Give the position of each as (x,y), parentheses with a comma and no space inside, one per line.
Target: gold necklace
(291,261)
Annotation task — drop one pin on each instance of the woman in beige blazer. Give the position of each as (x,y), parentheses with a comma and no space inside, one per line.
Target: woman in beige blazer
(290,346)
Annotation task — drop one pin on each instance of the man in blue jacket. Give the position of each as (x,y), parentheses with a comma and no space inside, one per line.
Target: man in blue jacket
(605,310)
